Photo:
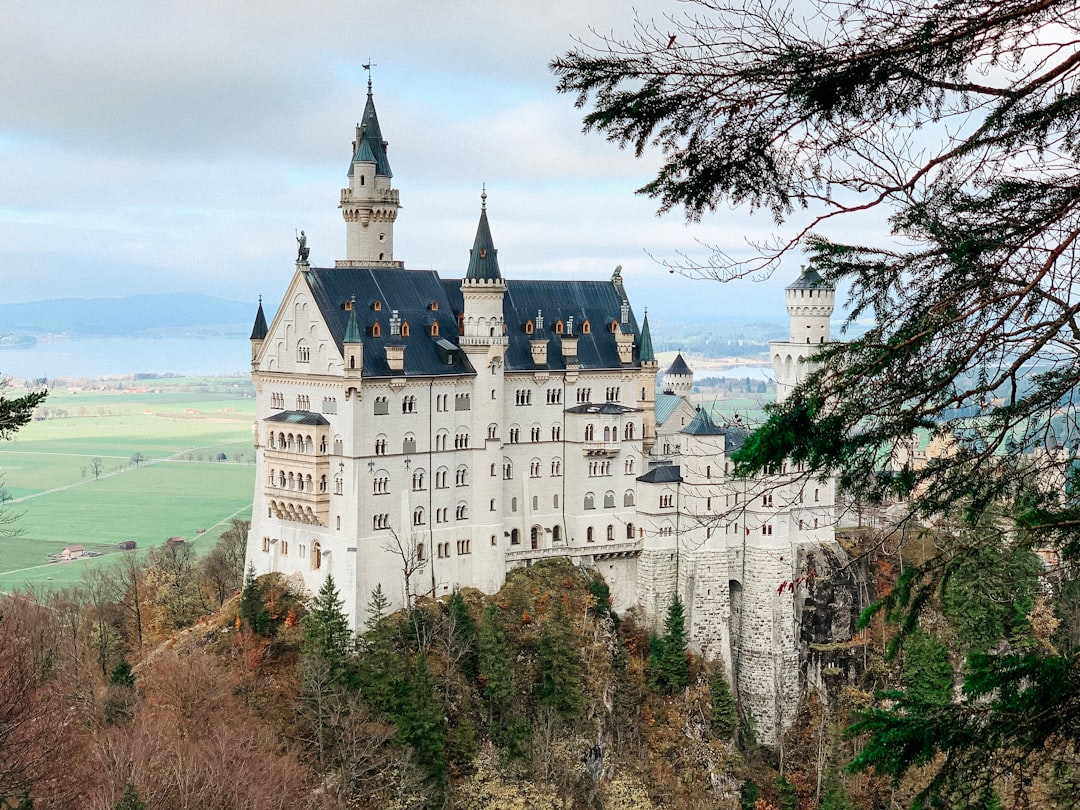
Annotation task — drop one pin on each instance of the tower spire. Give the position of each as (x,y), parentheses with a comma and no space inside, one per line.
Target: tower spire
(483,258)
(369,205)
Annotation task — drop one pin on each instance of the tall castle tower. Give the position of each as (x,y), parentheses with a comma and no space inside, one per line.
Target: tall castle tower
(369,204)
(810,302)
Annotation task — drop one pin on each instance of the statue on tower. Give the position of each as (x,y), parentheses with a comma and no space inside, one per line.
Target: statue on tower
(302,249)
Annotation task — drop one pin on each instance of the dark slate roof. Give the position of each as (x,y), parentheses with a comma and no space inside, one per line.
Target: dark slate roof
(298,418)
(678,366)
(412,293)
(702,425)
(646,351)
(593,301)
(258,331)
(483,258)
(734,438)
(663,474)
(371,146)
(809,280)
(602,408)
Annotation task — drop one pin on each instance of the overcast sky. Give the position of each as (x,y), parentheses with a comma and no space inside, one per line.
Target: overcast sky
(175,147)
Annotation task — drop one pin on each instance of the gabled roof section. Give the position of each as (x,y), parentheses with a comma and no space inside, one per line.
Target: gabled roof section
(646,351)
(371,146)
(665,406)
(593,301)
(483,258)
(678,366)
(410,292)
(259,330)
(298,418)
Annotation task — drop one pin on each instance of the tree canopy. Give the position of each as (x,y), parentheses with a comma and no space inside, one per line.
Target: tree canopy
(955,124)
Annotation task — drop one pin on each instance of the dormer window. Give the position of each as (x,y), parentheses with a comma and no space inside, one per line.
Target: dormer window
(376,306)
(434,306)
(404,328)
(433,330)
(347,305)
(376,330)
(461,323)
(529,329)
(586,328)
(558,327)
(614,327)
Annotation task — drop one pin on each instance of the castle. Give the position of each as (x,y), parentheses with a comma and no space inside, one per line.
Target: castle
(425,433)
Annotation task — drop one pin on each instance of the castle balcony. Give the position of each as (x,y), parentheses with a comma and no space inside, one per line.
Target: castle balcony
(598,551)
(484,340)
(299,506)
(601,448)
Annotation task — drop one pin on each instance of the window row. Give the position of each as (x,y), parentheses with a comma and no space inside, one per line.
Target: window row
(611,432)
(316,557)
(296,443)
(609,499)
(535,504)
(535,433)
(462,402)
(296,481)
(590,536)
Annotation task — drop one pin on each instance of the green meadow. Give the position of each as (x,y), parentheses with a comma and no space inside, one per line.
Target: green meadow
(197,472)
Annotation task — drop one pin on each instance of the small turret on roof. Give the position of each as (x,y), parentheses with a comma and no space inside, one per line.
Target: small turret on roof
(259,330)
(703,425)
(483,258)
(809,279)
(352,331)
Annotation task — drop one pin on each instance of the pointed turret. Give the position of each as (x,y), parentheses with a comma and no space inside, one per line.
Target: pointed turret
(353,344)
(369,205)
(679,379)
(483,289)
(483,258)
(647,354)
(258,332)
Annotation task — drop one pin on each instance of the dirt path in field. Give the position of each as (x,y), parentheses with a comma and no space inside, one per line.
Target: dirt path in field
(147,463)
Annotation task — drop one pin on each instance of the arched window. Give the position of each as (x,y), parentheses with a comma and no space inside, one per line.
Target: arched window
(628,431)
(408,444)
(590,431)
(629,531)
(380,445)
(628,466)
(556,467)
(418,480)
(418,516)
(556,433)
(628,498)
(461,477)
(586,328)
(609,500)
(610,532)
(589,535)
(493,431)
(316,556)
(462,511)
(590,500)
(556,533)
(515,537)
(405,331)
(440,478)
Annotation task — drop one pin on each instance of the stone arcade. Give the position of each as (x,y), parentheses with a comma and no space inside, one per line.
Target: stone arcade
(425,433)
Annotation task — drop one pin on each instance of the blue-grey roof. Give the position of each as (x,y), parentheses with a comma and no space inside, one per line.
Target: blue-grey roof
(352,331)
(809,280)
(678,366)
(412,293)
(593,301)
(646,350)
(483,258)
(259,330)
(702,425)
(298,418)
(371,147)
(662,474)
(665,406)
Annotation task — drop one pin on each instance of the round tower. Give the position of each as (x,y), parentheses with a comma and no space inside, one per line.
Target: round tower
(810,301)
(679,379)
(369,204)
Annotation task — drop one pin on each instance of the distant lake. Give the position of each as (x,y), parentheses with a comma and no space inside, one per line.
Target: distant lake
(105,357)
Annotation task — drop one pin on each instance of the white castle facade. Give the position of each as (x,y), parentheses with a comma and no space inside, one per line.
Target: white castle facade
(425,434)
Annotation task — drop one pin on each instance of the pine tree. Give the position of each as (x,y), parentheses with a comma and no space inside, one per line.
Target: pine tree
(725,719)
(326,630)
(253,612)
(669,669)
(749,795)
(421,722)
(380,669)
(130,799)
(463,639)
(560,666)
(495,674)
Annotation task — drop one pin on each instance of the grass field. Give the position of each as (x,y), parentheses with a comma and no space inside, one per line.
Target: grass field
(181,426)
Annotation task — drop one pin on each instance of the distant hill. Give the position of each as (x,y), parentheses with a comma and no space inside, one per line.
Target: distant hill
(158,315)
